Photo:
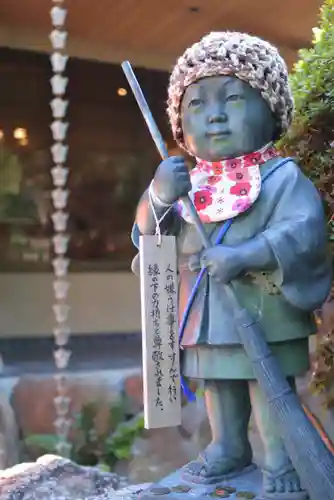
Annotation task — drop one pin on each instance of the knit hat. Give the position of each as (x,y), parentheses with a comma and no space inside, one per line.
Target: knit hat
(247,57)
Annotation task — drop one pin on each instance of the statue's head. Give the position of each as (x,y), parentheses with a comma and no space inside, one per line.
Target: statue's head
(229,95)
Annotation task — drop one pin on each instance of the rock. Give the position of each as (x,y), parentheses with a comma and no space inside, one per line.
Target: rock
(193,415)
(158,454)
(9,436)
(133,390)
(134,489)
(55,478)
(33,396)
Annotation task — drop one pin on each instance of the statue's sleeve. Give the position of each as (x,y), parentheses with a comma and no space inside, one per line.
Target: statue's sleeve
(297,234)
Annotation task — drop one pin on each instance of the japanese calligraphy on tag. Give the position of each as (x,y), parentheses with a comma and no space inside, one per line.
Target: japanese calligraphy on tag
(159,312)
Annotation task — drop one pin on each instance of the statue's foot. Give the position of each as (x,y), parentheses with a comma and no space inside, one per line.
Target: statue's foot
(213,464)
(283,484)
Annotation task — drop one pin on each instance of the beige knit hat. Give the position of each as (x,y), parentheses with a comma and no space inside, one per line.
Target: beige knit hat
(247,57)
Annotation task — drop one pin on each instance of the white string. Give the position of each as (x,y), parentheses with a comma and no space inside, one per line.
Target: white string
(156,198)
(153,198)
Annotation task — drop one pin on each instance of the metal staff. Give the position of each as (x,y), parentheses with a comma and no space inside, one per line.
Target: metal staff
(311,458)
(160,144)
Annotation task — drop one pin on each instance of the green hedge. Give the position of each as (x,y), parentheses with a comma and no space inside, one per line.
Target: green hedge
(311,137)
(311,141)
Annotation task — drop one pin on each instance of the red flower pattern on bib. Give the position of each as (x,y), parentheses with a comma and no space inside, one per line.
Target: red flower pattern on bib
(222,190)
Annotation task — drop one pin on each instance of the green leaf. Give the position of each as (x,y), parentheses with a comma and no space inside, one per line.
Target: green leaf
(103,467)
(117,414)
(45,442)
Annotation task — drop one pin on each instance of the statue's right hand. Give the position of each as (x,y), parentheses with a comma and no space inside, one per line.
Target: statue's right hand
(172,180)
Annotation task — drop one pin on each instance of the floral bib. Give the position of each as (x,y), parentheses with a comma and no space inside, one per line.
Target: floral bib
(224,189)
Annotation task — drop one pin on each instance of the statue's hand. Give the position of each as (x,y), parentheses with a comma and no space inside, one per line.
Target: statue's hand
(222,263)
(194,262)
(172,180)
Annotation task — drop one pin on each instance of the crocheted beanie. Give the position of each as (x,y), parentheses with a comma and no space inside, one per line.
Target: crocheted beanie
(247,57)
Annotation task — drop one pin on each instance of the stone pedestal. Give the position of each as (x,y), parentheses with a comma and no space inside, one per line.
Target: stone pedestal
(176,486)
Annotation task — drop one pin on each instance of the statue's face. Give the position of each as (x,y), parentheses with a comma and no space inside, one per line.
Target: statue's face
(223,117)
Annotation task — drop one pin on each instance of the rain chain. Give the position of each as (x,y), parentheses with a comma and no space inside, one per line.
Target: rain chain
(60,240)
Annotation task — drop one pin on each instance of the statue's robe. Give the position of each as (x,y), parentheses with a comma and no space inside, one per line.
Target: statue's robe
(289,214)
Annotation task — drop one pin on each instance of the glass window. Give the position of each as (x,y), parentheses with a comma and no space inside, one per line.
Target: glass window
(111,160)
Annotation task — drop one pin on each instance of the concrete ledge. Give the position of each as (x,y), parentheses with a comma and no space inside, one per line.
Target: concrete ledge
(90,352)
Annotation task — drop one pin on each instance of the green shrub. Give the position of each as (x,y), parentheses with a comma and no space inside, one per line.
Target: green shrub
(89,447)
(311,141)
(311,136)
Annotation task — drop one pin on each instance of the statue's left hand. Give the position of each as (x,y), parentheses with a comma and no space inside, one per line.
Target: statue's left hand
(222,263)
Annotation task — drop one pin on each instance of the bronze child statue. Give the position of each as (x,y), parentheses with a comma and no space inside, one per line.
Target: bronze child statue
(229,100)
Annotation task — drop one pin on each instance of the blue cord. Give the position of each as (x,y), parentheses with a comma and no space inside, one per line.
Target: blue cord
(186,389)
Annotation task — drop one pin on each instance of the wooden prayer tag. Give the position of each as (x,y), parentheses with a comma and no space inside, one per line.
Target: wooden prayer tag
(159,312)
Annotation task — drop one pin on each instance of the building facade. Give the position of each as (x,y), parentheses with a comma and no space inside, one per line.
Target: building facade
(111,156)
